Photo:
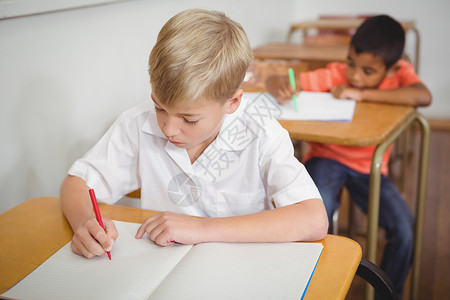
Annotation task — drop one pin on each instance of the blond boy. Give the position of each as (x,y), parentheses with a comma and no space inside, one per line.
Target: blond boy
(194,151)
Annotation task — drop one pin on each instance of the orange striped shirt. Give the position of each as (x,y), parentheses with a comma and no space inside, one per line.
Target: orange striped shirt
(322,80)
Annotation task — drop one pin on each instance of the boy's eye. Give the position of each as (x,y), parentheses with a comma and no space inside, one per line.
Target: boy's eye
(190,122)
(369,71)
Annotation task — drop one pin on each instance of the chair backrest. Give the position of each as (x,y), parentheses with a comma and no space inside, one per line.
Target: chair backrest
(373,274)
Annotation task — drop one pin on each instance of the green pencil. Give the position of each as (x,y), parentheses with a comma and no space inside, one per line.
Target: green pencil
(292,80)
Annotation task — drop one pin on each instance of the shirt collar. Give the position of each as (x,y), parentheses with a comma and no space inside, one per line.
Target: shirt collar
(151,126)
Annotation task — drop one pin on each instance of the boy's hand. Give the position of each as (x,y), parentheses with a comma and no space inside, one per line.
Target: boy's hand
(280,87)
(345,92)
(90,240)
(166,228)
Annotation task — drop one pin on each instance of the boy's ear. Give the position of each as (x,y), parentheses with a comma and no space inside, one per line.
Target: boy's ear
(234,102)
(392,70)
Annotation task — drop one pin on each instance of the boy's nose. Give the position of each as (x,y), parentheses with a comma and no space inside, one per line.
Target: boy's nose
(170,127)
(353,76)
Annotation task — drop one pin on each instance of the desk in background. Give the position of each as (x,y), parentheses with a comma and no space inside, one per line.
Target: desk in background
(276,58)
(34,230)
(380,125)
(319,55)
(315,56)
(351,24)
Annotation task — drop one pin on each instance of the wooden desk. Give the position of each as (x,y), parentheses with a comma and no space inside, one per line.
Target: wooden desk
(316,55)
(352,23)
(372,123)
(338,24)
(34,230)
(380,125)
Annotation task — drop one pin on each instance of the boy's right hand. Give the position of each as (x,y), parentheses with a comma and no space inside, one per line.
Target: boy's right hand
(89,238)
(280,87)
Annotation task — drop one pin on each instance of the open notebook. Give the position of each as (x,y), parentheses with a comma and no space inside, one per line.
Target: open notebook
(139,269)
(311,106)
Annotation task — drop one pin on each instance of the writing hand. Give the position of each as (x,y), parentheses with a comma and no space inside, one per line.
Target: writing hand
(280,87)
(89,238)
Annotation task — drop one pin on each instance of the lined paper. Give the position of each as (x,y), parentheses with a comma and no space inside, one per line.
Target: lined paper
(139,269)
(242,271)
(312,106)
(136,269)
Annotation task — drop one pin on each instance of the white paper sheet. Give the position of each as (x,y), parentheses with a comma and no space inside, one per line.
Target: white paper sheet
(242,271)
(312,106)
(136,269)
(139,268)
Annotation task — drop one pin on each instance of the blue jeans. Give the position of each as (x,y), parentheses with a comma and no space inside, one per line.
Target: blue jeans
(395,216)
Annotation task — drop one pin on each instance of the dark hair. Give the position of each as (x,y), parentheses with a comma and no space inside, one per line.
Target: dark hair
(381,36)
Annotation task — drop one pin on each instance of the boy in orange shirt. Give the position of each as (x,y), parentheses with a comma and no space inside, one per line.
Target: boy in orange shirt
(374,72)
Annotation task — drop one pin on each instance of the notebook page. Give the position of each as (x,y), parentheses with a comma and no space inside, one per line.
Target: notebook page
(136,269)
(314,106)
(242,271)
(311,106)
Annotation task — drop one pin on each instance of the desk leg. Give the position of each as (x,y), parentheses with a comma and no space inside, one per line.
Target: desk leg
(420,206)
(373,210)
(374,195)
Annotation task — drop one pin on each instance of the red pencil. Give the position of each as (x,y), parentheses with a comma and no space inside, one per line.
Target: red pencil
(97,213)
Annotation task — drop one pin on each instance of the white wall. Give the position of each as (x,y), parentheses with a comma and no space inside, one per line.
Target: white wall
(65,76)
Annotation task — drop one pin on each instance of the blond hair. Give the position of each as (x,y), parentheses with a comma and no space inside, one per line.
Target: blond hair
(198,54)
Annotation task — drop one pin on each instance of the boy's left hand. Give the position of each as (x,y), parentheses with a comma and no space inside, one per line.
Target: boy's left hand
(345,92)
(166,228)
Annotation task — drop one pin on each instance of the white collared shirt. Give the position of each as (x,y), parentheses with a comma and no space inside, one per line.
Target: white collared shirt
(250,167)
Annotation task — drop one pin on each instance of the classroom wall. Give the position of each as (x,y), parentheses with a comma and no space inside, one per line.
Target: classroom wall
(65,76)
